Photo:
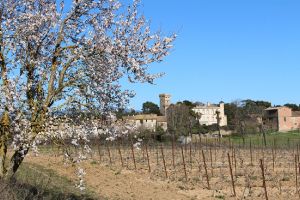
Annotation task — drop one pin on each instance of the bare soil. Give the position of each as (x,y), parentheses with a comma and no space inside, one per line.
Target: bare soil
(112,181)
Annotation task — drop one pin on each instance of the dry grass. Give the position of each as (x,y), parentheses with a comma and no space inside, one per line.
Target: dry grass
(35,182)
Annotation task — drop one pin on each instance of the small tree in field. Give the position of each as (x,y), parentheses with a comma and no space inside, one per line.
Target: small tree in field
(54,57)
(181,119)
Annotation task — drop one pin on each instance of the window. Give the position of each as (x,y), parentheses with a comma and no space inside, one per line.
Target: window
(284,119)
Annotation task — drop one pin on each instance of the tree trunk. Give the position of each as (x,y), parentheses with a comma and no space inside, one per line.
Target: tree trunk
(4,132)
(3,151)
(16,161)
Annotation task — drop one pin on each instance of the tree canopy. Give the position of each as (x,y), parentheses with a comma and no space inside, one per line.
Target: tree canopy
(180,119)
(55,56)
(150,108)
(294,107)
(243,114)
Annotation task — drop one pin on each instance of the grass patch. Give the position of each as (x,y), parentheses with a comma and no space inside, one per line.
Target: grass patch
(94,162)
(285,178)
(220,197)
(36,182)
(280,139)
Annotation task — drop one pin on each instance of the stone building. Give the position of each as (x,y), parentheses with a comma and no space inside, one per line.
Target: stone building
(165,102)
(152,121)
(281,119)
(208,114)
(148,121)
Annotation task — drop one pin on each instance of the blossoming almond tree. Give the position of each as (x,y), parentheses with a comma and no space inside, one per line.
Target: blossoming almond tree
(54,55)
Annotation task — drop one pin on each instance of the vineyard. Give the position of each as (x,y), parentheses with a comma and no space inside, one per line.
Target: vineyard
(205,168)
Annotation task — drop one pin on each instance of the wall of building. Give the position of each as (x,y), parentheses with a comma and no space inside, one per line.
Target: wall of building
(208,114)
(163,125)
(296,123)
(152,121)
(285,119)
(282,118)
(165,102)
(149,124)
(148,121)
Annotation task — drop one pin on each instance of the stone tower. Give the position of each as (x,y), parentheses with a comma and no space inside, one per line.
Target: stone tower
(165,101)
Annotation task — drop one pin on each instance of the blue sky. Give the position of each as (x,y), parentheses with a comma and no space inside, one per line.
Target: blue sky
(226,50)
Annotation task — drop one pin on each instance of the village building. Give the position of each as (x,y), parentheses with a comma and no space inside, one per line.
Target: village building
(148,121)
(208,114)
(152,121)
(281,119)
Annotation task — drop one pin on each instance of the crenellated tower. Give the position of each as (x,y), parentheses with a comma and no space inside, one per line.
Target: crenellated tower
(165,102)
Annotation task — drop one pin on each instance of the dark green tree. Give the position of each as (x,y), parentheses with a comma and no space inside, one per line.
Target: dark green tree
(294,107)
(125,112)
(231,110)
(150,108)
(189,104)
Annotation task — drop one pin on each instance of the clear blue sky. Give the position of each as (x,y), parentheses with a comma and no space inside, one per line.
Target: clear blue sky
(226,50)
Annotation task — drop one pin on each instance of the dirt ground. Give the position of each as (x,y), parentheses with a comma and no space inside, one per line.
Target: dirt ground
(112,181)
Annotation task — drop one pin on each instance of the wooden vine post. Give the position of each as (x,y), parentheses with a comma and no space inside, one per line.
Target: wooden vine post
(190,152)
(120,154)
(205,167)
(273,158)
(264,179)
(231,174)
(164,161)
(251,156)
(109,155)
(133,156)
(296,173)
(234,159)
(157,161)
(211,162)
(99,152)
(184,166)
(173,151)
(148,158)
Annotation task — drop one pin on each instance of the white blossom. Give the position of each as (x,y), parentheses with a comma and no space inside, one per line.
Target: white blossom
(55,58)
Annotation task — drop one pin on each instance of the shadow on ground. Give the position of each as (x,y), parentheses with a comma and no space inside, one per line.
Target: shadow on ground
(33,182)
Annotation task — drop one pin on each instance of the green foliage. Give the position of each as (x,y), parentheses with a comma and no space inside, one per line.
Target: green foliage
(242,116)
(232,112)
(160,132)
(150,108)
(197,128)
(274,138)
(143,133)
(122,112)
(254,107)
(294,107)
(251,103)
(203,129)
(188,103)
